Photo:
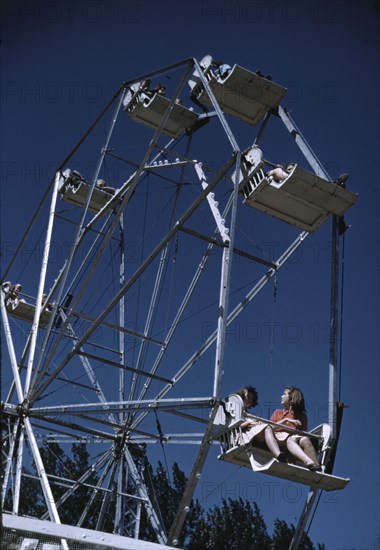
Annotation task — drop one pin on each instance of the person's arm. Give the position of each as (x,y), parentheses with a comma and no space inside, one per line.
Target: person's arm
(276,418)
(249,423)
(297,423)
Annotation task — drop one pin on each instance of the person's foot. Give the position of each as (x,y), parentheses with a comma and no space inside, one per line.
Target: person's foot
(313,467)
(281,457)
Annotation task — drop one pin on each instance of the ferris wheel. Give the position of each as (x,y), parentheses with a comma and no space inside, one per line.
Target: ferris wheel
(138,249)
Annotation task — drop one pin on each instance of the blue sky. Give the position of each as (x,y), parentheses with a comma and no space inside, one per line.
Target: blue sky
(62,62)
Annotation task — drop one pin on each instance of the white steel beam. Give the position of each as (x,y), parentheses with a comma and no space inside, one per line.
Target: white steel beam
(38,307)
(77,534)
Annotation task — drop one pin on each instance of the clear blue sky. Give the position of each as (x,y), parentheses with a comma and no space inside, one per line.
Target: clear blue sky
(61,62)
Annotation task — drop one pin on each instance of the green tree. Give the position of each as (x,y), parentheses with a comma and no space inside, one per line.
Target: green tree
(58,464)
(235,525)
(31,500)
(166,499)
(283,534)
(75,467)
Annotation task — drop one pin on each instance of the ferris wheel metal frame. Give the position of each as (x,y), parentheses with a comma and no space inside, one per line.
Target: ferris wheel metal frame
(36,367)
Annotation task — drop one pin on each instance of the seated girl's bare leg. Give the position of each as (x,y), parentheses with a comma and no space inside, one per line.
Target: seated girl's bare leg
(309,450)
(298,453)
(267,436)
(272,443)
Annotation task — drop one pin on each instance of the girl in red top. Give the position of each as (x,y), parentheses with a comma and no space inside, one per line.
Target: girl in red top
(294,416)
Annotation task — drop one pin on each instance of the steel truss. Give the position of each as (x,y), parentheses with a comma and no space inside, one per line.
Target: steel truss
(110,353)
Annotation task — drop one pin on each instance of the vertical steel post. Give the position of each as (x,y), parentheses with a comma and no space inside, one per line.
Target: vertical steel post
(333,351)
(225,289)
(334,328)
(122,477)
(45,259)
(11,349)
(20,454)
(46,489)
(7,472)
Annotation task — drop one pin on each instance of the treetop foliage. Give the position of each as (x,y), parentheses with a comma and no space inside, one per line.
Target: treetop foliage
(235,524)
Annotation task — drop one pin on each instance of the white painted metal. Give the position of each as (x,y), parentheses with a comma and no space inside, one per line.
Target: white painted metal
(149,111)
(220,222)
(26,312)
(78,535)
(20,453)
(227,430)
(120,423)
(242,93)
(302,199)
(8,465)
(39,305)
(76,193)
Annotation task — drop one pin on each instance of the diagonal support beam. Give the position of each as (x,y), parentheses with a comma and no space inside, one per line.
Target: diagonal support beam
(192,482)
